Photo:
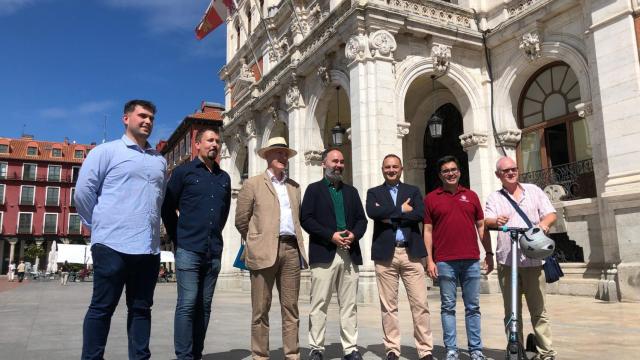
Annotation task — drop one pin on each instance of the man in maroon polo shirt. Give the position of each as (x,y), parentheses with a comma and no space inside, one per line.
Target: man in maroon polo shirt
(453,221)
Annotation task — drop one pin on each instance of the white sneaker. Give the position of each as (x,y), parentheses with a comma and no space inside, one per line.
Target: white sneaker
(452,355)
(478,355)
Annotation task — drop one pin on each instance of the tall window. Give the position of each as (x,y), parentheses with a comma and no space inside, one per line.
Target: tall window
(4,149)
(29,172)
(75,225)
(237,36)
(50,223)
(78,154)
(53,173)
(187,141)
(72,202)
(55,152)
(3,170)
(75,171)
(27,195)
(2,191)
(552,132)
(53,196)
(249,21)
(32,151)
(25,221)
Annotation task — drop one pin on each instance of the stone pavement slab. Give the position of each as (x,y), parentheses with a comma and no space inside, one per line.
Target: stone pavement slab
(43,320)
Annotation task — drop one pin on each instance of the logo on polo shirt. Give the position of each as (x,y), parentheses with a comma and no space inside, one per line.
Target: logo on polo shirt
(464,198)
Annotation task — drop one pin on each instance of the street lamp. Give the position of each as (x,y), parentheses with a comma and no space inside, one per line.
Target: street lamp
(435,122)
(337,132)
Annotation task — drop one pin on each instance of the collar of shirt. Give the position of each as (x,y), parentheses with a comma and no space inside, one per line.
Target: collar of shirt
(275,180)
(524,193)
(459,189)
(395,187)
(197,162)
(130,143)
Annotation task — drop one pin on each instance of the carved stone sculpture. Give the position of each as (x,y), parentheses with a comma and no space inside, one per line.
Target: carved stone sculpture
(530,43)
(473,139)
(441,55)
(356,48)
(382,43)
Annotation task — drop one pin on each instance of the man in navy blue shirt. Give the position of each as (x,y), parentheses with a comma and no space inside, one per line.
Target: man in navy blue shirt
(201,193)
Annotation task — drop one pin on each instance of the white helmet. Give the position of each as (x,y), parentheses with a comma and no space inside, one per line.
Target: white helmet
(536,245)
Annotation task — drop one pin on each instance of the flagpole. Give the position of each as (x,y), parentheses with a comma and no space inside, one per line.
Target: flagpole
(266,30)
(246,33)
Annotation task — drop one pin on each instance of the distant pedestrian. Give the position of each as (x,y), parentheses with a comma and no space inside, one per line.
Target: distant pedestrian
(64,273)
(118,195)
(21,270)
(11,273)
(200,191)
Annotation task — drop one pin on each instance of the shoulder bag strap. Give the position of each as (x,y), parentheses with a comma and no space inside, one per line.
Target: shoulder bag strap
(517,207)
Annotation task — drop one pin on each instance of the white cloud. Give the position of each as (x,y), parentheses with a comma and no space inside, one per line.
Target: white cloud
(82,109)
(8,7)
(166,15)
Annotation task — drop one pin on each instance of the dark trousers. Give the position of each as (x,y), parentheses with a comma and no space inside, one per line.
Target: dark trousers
(112,271)
(197,275)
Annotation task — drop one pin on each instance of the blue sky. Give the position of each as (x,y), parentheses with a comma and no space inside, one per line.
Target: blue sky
(66,64)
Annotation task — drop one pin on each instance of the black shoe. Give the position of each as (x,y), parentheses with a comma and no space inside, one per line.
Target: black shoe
(428,357)
(392,356)
(315,355)
(355,355)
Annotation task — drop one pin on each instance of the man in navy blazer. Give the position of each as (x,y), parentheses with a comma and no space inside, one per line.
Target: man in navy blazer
(398,251)
(333,215)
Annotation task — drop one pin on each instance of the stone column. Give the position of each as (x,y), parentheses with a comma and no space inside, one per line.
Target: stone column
(296,128)
(616,74)
(12,250)
(481,167)
(256,164)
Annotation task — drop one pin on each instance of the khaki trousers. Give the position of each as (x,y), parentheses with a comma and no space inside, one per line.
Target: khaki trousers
(285,273)
(411,270)
(531,283)
(343,275)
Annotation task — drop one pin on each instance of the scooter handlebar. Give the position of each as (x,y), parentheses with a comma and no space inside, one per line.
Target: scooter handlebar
(511,229)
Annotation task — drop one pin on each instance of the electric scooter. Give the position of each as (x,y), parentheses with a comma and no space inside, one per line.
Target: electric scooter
(515,350)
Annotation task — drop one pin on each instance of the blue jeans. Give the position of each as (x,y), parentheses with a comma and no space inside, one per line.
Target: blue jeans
(197,276)
(467,272)
(112,271)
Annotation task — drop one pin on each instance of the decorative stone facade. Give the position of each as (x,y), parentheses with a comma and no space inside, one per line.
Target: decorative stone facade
(382,56)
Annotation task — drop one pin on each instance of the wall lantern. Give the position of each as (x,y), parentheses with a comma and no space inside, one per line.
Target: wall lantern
(337,132)
(435,122)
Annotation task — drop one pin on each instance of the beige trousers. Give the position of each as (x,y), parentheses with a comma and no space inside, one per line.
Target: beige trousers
(531,283)
(411,271)
(286,276)
(342,275)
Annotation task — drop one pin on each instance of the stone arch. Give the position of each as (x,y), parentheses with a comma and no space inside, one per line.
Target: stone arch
(457,79)
(511,83)
(281,123)
(318,102)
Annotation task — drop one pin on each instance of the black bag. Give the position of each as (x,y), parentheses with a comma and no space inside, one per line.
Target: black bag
(552,270)
(551,267)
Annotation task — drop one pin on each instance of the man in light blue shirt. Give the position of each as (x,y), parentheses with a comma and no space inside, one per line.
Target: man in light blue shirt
(118,195)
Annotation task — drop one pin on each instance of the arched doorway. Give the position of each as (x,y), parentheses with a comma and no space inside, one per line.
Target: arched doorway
(448,144)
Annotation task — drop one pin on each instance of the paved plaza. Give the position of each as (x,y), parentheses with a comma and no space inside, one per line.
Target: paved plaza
(43,320)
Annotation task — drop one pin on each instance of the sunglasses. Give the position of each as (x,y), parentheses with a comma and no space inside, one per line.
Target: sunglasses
(449,171)
(509,170)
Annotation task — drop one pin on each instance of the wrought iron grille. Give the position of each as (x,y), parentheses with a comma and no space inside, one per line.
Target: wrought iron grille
(577,179)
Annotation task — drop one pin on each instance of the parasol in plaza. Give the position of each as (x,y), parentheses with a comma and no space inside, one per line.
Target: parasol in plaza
(52,262)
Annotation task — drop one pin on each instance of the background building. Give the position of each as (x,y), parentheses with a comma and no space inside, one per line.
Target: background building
(37,180)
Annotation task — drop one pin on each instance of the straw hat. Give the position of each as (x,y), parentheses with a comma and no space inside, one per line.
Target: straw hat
(277,142)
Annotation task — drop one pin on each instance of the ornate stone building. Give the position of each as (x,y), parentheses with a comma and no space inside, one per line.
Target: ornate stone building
(553,83)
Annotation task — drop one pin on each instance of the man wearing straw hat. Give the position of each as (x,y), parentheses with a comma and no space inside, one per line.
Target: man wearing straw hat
(267,217)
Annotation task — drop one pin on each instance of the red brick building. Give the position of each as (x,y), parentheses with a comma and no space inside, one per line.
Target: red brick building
(37,182)
(180,147)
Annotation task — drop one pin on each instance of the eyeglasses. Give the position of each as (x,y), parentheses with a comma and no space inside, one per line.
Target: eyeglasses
(449,171)
(506,171)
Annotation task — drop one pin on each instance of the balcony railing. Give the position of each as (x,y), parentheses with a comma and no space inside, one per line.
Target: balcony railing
(577,179)
(63,179)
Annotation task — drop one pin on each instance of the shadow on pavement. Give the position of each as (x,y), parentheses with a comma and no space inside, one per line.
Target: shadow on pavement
(235,354)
